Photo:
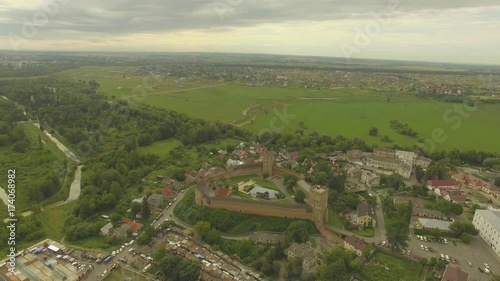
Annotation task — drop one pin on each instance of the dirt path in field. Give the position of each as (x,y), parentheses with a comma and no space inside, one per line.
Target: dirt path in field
(172,92)
(3,196)
(247,112)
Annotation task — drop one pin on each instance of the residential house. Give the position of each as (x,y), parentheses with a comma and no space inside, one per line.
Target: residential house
(355,244)
(423,162)
(433,184)
(123,230)
(370,179)
(223,192)
(293,155)
(167,191)
(488,224)
(404,170)
(267,238)
(135,226)
(106,230)
(365,215)
(309,256)
(430,224)
(155,201)
(383,163)
(406,157)
(474,182)
(452,273)
(354,172)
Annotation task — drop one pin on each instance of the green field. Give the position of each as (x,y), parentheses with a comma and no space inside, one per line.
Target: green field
(389,268)
(161,148)
(341,111)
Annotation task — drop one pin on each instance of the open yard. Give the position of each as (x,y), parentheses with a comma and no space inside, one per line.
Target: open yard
(341,111)
(389,268)
(123,274)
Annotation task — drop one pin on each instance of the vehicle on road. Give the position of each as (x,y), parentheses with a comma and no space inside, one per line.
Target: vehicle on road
(468,262)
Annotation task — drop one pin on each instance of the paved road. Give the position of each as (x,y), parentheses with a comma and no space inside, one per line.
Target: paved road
(75,188)
(63,148)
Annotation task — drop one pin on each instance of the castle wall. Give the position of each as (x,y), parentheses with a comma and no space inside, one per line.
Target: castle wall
(281,171)
(259,208)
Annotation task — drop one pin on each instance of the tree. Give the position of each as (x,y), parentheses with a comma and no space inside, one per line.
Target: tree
(460,227)
(202,228)
(298,231)
(294,269)
(436,233)
(419,173)
(397,234)
(466,237)
(145,211)
(373,131)
(300,196)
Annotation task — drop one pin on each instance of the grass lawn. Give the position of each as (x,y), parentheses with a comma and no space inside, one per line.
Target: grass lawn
(354,110)
(258,180)
(121,274)
(333,219)
(232,223)
(367,232)
(389,268)
(161,148)
(53,220)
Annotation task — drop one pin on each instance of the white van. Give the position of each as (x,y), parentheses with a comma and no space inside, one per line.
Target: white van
(131,250)
(442,256)
(447,258)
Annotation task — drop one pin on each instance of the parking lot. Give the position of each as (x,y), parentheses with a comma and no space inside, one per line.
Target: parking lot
(477,252)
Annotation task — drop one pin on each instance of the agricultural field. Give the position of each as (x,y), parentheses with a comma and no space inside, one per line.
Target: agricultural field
(350,112)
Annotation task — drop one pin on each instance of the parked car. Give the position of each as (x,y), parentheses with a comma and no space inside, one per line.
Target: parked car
(470,264)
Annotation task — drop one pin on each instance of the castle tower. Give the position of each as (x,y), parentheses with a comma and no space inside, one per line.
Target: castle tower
(268,163)
(318,200)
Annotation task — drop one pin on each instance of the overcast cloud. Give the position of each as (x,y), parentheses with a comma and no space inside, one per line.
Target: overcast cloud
(435,30)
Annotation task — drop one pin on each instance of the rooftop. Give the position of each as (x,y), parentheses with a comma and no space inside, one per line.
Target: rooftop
(301,250)
(357,243)
(454,274)
(492,217)
(365,209)
(434,223)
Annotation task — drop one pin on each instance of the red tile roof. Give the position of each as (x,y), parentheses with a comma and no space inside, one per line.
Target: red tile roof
(135,225)
(357,243)
(438,183)
(454,274)
(167,191)
(223,192)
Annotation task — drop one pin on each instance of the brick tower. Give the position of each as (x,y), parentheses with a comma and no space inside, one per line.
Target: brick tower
(318,200)
(268,163)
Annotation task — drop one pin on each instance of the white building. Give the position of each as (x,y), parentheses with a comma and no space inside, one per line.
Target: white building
(407,157)
(488,224)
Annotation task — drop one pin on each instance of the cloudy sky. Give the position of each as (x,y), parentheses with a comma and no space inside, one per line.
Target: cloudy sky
(461,31)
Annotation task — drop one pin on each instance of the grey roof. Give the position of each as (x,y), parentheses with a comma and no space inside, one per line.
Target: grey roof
(491,217)
(105,229)
(264,237)
(301,250)
(433,223)
(261,189)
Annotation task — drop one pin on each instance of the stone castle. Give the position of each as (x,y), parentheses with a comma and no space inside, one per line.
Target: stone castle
(315,210)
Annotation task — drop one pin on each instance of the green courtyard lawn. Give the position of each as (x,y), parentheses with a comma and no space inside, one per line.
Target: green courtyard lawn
(367,232)
(258,180)
(232,223)
(390,268)
(333,218)
(161,148)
